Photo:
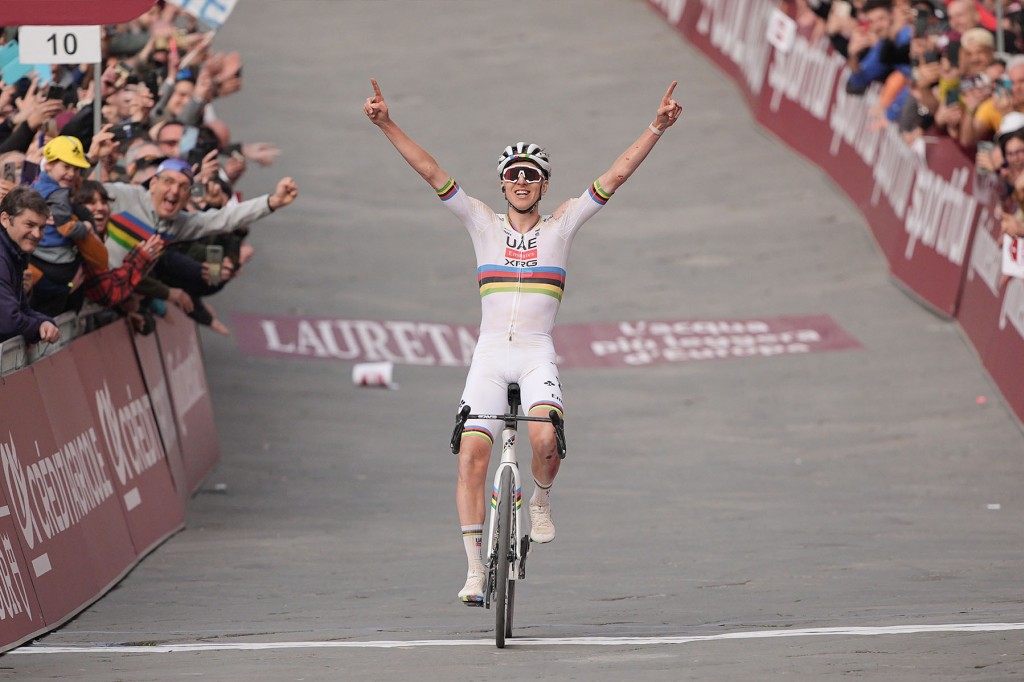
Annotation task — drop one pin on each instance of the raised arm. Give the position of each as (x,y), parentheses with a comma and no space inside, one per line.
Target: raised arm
(630,160)
(416,156)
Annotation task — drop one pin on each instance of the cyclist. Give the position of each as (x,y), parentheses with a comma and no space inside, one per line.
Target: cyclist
(521,261)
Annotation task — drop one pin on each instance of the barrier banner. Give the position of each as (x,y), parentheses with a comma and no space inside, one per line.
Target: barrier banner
(60,491)
(992,314)
(178,340)
(917,201)
(20,616)
(147,350)
(123,412)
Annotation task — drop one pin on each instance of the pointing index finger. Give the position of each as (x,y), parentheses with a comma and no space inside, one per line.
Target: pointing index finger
(668,93)
(376,88)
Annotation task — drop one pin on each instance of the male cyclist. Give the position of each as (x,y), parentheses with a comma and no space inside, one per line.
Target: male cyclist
(521,258)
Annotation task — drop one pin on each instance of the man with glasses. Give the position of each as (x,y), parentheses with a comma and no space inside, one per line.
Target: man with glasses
(521,259)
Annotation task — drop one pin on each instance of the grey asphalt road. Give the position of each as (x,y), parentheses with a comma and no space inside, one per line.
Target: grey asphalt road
(741,503)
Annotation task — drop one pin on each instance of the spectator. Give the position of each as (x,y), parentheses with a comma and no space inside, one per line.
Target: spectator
(963,16)
(984,119)
(66,238)
(23,213)
(877,35)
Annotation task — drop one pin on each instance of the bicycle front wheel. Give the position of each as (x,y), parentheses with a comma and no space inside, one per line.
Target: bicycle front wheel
(503,527)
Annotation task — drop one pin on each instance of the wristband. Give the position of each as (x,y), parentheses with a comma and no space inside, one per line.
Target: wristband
(655,130)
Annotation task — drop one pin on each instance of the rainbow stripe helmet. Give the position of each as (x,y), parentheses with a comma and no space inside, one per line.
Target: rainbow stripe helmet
(525,151)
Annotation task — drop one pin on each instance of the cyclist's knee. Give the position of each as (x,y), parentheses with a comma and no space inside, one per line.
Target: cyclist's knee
(474,454)
(542,440)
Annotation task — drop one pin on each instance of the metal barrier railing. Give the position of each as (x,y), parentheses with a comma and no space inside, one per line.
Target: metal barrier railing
(15,354)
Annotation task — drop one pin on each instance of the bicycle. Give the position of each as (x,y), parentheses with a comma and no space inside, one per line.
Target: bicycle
(509,545)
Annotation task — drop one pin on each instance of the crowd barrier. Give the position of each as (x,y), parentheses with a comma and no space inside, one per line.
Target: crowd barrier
(103,441)
(929,212)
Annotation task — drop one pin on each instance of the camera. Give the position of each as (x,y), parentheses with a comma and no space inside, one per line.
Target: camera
(124,131)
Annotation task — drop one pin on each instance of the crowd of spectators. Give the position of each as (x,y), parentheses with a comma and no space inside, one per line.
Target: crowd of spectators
(141,213)
(943,68)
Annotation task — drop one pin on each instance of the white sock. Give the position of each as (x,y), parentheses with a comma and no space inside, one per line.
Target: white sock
(541,495)
(472,538)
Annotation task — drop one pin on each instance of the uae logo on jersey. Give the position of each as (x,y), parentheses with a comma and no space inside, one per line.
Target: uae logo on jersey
(520,252)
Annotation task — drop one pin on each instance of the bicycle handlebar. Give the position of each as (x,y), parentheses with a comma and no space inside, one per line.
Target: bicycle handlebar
(553,417)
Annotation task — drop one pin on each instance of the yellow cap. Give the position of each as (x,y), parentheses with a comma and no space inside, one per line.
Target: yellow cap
(67,149)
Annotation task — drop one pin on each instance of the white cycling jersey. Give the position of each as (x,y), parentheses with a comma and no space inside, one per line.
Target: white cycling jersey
(521,278)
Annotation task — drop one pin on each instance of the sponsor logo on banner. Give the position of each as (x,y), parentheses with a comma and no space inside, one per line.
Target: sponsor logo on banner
(186,374)
(941,214)
(739,29)
(56,490)
(14,596)
(806,75)
(130,432)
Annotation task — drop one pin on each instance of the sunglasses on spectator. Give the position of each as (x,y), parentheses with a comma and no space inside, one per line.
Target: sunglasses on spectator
(530,174)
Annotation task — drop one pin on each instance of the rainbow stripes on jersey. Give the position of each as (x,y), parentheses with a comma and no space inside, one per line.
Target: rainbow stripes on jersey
(478,431)
(495,279)
(519,498)
(598,194)
(546,406)
(127,230)
(450,189)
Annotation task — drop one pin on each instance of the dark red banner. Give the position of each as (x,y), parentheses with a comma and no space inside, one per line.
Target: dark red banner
(70,12)
(122,411)
(147,350)
(60,490)
(182,357)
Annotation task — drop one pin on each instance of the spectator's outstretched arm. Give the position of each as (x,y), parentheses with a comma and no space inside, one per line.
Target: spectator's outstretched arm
(416,156)
(630,160)
(232,216)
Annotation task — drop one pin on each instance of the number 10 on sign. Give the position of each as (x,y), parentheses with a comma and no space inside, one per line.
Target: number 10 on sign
(59,44)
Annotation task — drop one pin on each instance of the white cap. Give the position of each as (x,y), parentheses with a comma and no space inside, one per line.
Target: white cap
(1011,123)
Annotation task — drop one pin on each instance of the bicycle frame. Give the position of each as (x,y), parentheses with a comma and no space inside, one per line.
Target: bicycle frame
(508,461)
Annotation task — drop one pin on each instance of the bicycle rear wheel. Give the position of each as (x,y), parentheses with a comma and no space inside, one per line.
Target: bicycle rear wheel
(503,624)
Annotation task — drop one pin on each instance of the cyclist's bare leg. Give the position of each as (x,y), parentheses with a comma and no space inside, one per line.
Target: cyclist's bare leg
(545,467)
(545,456)
(469,499)
(469,492)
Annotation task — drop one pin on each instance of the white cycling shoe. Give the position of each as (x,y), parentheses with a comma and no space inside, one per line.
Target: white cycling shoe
(472,593)
(541,528)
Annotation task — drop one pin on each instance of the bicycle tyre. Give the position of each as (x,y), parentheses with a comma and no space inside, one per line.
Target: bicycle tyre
(510,607)
(501,581)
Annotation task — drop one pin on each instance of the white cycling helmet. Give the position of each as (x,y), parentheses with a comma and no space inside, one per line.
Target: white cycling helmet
(525,151)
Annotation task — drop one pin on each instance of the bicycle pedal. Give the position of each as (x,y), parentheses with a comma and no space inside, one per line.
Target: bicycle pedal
(474,603)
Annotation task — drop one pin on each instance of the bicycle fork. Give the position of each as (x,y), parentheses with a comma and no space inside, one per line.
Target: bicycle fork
(520,542)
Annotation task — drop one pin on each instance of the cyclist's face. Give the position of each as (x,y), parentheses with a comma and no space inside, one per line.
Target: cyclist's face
(523,194)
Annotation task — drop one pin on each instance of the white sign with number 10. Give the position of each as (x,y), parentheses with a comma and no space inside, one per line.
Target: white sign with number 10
(59,44)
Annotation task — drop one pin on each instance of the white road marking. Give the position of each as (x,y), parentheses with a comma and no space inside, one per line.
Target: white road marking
(525,641)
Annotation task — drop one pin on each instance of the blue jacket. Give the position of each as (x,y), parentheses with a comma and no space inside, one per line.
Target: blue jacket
(16,317)
(872,68)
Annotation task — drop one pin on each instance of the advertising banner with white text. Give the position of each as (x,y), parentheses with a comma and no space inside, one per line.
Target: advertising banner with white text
(123,412)
(182,357)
